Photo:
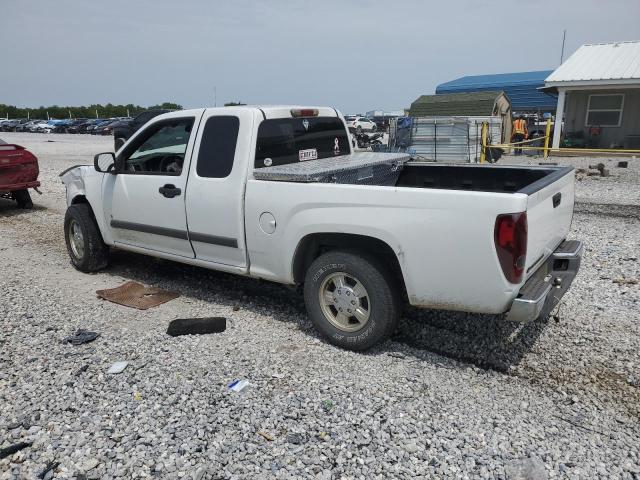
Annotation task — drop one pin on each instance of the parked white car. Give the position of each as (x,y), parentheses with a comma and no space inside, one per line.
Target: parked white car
(42,127)
(276,193)
(361,124)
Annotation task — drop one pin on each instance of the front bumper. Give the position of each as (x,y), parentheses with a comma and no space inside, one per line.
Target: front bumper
(544,289)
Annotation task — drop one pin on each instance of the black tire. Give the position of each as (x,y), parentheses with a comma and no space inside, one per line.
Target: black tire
(118,142)
(384,303)
(95,253)
(23,199)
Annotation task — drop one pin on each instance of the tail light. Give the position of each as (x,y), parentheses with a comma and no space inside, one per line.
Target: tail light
(304,112)
(510,237)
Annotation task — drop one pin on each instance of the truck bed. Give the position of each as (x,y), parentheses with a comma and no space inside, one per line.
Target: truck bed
(479,178)
(395,169)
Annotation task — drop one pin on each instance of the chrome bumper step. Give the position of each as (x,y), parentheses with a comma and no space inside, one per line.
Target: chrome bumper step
(544,289)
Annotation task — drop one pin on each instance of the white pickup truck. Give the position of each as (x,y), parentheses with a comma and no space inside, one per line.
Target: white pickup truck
(276,193)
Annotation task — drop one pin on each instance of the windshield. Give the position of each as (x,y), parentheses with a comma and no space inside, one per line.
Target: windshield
(289,140)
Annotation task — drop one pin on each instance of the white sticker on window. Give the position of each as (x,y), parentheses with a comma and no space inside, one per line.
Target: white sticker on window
(336,146)
(309,154)
(267,162)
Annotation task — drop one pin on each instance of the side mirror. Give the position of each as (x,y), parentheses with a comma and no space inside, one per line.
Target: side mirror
(105,162)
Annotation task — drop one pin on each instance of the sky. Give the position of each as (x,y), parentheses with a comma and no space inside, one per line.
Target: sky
(353,55)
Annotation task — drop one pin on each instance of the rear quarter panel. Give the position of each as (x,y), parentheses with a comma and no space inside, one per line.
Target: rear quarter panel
(443,239)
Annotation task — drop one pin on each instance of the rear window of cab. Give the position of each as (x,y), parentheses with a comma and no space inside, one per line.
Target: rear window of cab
(281,140)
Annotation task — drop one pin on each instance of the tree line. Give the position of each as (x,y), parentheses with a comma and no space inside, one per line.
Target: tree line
(91,111)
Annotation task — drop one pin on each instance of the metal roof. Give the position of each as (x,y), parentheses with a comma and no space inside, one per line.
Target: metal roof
(599,64)
(520,87)
(455,104)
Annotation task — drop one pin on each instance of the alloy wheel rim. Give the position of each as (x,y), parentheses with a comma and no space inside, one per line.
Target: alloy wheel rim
(345,302)
(76,240)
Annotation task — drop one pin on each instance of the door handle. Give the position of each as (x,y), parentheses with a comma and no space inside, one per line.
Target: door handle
(170,190)
(556,199)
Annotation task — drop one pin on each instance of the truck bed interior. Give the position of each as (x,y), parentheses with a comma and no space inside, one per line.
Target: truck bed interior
(479,178)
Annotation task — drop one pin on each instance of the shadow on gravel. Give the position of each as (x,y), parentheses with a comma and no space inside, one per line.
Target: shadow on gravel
(9,208)
(486,341)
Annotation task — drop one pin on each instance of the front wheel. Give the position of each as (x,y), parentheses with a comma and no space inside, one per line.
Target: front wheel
(350,299)
(87,250)
(23,199)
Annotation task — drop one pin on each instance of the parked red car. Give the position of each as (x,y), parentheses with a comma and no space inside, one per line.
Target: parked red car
(18,173)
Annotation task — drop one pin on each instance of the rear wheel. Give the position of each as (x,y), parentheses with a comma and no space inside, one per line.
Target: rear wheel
(87,250)
(350,299)
(23,199)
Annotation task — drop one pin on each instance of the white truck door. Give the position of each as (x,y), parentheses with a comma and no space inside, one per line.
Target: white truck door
(215,194)
(144,202)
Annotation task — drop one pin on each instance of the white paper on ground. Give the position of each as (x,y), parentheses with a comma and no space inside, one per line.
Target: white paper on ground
(238,385)
(118,367)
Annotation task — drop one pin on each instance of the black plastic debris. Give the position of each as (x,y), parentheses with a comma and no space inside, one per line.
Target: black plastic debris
(11,449)
(197,326)
(47,471)
(81,336)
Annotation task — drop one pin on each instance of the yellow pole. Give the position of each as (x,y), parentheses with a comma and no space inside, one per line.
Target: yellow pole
(483,136)
(546,138)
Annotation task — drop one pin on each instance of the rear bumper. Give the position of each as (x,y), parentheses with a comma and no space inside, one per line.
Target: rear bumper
(544,289)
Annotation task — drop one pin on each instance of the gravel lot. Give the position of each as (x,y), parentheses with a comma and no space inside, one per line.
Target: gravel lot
(451,396)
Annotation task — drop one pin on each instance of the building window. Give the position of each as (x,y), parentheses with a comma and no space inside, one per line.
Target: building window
(604,110)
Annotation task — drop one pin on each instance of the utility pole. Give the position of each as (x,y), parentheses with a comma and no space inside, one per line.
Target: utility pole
(564,37)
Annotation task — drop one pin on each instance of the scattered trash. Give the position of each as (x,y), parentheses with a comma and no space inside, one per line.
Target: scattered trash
(397,355)
(526,469)
(265,435)
(624,164)
(625,281)
(47,471)
(278,375)
(82,369)
(327,405)
(81,336)
(118,367)
(238,385)
(295,438)
(137,396)
(601,170)
(197,326)
(11,449)
(136,295)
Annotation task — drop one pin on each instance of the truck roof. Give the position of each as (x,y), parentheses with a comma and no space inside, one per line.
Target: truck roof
(270,111)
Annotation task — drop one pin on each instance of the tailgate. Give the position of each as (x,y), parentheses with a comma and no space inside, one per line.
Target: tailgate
(549,213)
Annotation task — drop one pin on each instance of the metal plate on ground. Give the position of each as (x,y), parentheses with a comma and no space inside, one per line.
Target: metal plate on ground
(136,295)
(331,169)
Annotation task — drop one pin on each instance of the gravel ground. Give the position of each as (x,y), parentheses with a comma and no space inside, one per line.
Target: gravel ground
(450,396)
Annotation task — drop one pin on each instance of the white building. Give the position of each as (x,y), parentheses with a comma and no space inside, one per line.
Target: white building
(599,92)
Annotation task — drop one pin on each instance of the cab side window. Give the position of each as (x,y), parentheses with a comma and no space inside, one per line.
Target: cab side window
(159,149)
(218,147)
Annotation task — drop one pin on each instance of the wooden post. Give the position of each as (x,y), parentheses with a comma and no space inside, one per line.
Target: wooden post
(483,137)
(546,138)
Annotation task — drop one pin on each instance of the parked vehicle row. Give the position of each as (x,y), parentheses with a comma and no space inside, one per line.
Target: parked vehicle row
(94,126)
